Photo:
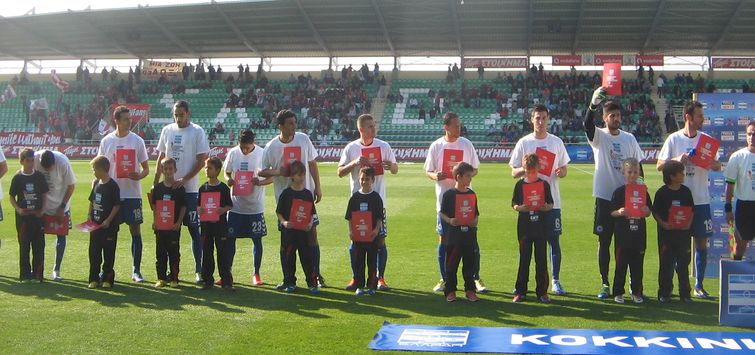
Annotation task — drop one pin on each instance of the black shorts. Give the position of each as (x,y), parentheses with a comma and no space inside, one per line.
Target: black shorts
(603,222)
(743,219)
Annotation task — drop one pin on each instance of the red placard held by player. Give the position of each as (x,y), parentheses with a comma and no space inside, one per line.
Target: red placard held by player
(125,162)
(705,151)
(361,226)
(56,225)
(465,209)
(612,78)
(291,154)
(166,215)
(243,183)
(301,214)
(679,216)
(88,226)
(635,198)
(547,159)
(210,203)
(534,194)
(451,157)
(375,157)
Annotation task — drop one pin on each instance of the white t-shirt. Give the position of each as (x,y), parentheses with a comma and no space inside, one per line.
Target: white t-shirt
(273,157)
(183,145)
(108,146)
(551,143)
(434,162)
(696,177)
(58,179)
(2,159)
(235,161)
(740,170)
(609,152)
(353,151)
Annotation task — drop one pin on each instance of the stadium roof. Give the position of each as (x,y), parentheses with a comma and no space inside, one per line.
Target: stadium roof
(343,28)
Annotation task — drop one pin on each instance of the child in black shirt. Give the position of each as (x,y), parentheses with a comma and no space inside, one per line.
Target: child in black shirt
(27,191)
(216,233)
(104,205)
(365,200)
(531,230)
(168,251)
(461,236)
(631,236)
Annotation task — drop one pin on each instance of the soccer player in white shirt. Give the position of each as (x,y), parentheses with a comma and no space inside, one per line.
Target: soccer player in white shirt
(3,171)
(610,146)
(130,187)
(444,181)
(186,143)
(58,172)
(740,183)
(351,161)
(247,217)
(540,138)
(273,166)
(678,146)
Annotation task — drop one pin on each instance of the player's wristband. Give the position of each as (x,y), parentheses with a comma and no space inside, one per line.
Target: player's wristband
(727,207)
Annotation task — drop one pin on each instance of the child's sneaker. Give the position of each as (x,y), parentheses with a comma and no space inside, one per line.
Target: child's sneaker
(440,286)
(481,288)
(107,285)
(451,296)
(314,290)
(557,288)
(198,278)
(92,285)
(359,292)
(619,299)
(519,298)
(289,289)
(544,299)
(321,282)
(229,288)
(174,284)
(371,291)
(281,286)
(56,276)
(605,292)
(638,298)
(664,299)
(352,285)
(137,277)
(256,280)
(382,286)
(160,284)
(472,296)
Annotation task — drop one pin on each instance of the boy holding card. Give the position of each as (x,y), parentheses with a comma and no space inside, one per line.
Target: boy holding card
(532,199)
(168,202)
(630,204)
(673,212)
(214,203)
(295,212)
(28,192)
(687,145)
(104,206)
(458,211)
(365,214)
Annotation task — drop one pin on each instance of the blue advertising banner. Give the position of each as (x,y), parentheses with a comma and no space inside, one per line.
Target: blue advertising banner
(737,304)
(559,341)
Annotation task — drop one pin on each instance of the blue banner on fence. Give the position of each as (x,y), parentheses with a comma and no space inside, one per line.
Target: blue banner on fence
(558,341)
(737,303)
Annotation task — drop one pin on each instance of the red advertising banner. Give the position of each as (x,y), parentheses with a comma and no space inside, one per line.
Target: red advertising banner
(635,198)
(733,63)
(611,58)
(300,214)
(138,112)
(375,158)
(501,62)
(361,226)
(29,139)
(612,78)
(466,205)
(567,60)
(650,60)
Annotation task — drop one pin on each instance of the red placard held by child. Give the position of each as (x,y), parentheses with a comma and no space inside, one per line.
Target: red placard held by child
(88,226)
(361,226)
(546,159)
(375,157)
(301,214)
(56,225)
(635,198)
(125,162)
(679,216)
(291,154)
(612,78)
(451,157)
(534,194)
(166,215)
(465,209)
(210,203)
(705,151)
(243,183)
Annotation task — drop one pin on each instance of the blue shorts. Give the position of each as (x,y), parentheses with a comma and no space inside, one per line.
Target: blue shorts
(191,218)
(702,224)
(440,226)
(553,222)
(246,225)
(131,211)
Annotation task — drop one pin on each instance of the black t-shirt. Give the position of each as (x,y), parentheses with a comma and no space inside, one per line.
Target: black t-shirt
(664,199)
(457,235)
(366,202)
(219,228)
(285,201)
(531,224)
(630,233)
(104,197)
(27,190)
(162,192)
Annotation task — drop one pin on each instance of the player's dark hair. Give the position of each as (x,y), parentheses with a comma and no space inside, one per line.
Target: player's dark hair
(182,104)
(297,168)
(461,169)
(168,160)
(47,160)
(448,116)
(611,105)
(539,108)
(100,163)
(247,136)
(282,115)
(215,162)
(118,111)
(367,171)
(671,168)
(690,106)
(531,161)
(26,153)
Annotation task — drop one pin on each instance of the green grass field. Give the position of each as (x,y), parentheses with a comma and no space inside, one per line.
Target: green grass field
(66,317)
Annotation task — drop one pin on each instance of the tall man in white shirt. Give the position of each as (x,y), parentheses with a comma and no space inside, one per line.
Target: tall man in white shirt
(541,139)
(186,142)
(355,156)
(115,145)
(438,169)
(3,171)
(678,146)
(740,183)
(610,147)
